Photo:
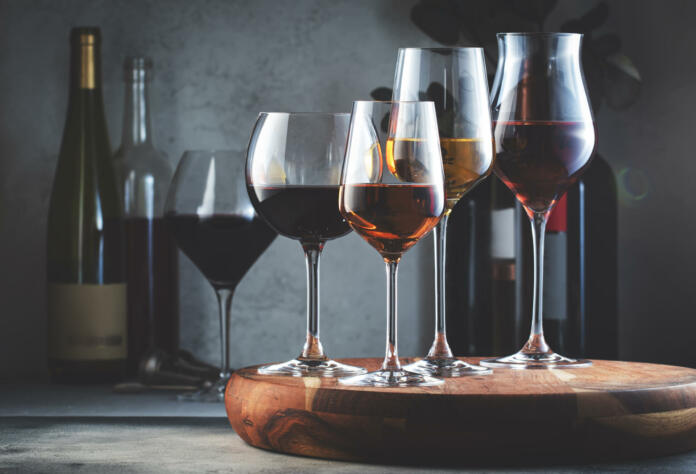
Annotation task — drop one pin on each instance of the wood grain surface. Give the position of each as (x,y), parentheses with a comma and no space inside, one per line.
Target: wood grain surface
(610,411)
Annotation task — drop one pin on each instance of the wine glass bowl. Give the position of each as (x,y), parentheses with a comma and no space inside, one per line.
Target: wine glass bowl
(455,80)
(212,220)
(392,194)
(545,136)
(294,162)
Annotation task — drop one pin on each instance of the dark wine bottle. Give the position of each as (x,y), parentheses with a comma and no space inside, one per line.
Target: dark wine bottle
(468,273)
(580,271)
(143,174)
(87,329)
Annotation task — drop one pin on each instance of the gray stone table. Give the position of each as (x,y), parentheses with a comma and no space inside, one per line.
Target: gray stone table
(93,430)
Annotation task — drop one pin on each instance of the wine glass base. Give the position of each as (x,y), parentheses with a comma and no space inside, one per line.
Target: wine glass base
(391,378)
(310,368)
(214,392)
(547,360)
(446,367)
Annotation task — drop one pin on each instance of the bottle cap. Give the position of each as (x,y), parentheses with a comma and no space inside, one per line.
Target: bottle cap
(85,35)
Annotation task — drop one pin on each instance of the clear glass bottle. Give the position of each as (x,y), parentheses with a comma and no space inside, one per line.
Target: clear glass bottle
(143,175)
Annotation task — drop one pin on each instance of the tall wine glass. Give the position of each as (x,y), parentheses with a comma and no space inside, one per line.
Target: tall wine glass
(545,136)
(392,194)
(294,165)
(211,218)
(455,80)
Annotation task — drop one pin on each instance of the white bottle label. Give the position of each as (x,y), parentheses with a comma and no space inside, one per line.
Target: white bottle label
(87,321)
(503,233)
(555,296)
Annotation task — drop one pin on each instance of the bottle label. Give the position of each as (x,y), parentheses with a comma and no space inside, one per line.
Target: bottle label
(87,321)
(503,233)
(555,296)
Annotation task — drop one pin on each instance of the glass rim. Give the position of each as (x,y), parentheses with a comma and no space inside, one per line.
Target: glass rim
(443,48)
(539,34)
(317,114)
(210,153)
(393,102)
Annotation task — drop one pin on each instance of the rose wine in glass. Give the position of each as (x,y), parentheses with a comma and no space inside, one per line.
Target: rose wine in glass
(545,136)
(455,80)
(294,163)
(392,194)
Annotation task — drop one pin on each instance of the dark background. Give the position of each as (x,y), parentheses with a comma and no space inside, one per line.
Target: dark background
(218,63)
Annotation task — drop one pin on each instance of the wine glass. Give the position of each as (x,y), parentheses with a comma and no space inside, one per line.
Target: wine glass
(293,169)
(210,216)
(392,194)
(455,80)
(545,136)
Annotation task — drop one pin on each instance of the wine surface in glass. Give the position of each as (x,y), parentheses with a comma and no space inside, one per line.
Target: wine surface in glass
(539,160)
(307,213)
(465,161)
(392,217)
(222,246)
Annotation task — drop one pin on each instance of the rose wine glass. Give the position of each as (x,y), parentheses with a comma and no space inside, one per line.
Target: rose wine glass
(294,165)
(392,194)
(545,136)
(210,216)
(455,80)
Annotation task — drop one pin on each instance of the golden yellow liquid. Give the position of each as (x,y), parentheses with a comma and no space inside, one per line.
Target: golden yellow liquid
(466,161)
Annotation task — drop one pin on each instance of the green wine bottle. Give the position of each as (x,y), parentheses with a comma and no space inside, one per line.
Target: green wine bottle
(87,312)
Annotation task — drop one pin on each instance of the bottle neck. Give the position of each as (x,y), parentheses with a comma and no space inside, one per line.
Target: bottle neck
(85,63)
(136,116)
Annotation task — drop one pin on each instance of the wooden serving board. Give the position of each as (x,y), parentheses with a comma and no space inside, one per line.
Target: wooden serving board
(610,411)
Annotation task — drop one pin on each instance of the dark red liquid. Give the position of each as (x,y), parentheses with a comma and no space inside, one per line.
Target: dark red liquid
(306,213)
(222,246)
(539,160)
(153,289)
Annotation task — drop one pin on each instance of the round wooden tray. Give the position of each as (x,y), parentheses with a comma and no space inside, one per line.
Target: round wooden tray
(610,411)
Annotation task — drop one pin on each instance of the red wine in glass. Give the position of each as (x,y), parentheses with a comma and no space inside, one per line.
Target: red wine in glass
(222,246)
(306,213)
(539,160)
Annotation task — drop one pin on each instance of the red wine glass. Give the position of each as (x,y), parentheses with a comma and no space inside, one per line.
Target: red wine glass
(455,80)
(392,194)
(212,220)
(294,165)
(544,135)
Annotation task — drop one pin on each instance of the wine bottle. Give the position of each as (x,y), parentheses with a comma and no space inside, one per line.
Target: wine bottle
(580,271)
(468,273)
(143,175)
(87,333)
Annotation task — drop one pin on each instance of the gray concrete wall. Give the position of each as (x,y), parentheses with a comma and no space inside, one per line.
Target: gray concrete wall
(220,62)
(217,64)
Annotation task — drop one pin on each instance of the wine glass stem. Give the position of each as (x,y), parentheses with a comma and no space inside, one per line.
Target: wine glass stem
(391,359)
(312,349)
(224,297)
(536,343)
(440,348)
